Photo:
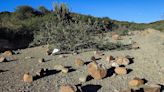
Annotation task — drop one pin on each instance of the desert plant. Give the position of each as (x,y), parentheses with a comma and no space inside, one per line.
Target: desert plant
(43,10)
(23,12)
(125,32)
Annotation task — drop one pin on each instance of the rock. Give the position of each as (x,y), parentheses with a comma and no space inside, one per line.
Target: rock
(109,58)
(41,60)
(65,70)
(136,82)
(114,64)
(152,88)
(128,90)
(40,72)
(135,45)
(67,88)
(79,62)
(62,56)
(16,52)
(122,61)
(98,53)
(28,57)
(83,78)
(3,59)
(59,67)
(93,58)
(116,37)
(96,71)
(75,53)
(55,51)
(27,78)
(12,58)
(120,70)
(130,33)
(7,53)
(48,52)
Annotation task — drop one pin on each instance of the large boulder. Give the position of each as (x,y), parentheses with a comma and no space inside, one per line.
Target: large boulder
(96,71)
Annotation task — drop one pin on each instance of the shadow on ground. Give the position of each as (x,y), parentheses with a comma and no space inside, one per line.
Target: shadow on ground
(47,73)
(90,88)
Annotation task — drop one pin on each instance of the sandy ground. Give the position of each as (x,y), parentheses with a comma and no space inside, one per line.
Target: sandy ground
(148,63)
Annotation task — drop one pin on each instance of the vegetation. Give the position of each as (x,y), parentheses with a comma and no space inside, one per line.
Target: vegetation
(67,30)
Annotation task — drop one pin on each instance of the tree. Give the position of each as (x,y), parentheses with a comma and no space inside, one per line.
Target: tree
(43,10)
(23,12)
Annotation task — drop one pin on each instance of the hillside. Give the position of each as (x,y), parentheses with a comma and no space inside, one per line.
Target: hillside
(28,27)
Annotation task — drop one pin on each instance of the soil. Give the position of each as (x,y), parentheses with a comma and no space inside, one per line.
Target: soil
(148,64)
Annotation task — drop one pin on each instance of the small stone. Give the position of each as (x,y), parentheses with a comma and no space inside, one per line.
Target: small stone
(116,37)
(40,72)
(41,60)
(75,53)
(27,78)
(59,67)
(109,58)
(122,61)
(28,57)
(136,82)
(48,52)
(130,33)
(152,88)
(135,45)
(55,51)
(62,56)
(98,53)
(65,70)
(96,71)
(2,59)
(7,53)
(128,90)
(120,70)
(79,62)
(114,64)
(93,58)
(67,88)
(83,78)
(12,58)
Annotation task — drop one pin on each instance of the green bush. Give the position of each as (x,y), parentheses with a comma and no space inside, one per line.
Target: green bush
(124,32)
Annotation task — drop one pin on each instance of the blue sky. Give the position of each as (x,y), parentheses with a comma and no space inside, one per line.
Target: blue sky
(143,11)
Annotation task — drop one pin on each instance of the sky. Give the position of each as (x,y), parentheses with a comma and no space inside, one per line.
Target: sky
(140,11)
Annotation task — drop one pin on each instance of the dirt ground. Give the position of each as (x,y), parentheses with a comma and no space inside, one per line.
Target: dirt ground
(148,63)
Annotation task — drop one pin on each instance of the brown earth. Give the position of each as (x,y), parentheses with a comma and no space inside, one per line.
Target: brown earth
(148,64)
